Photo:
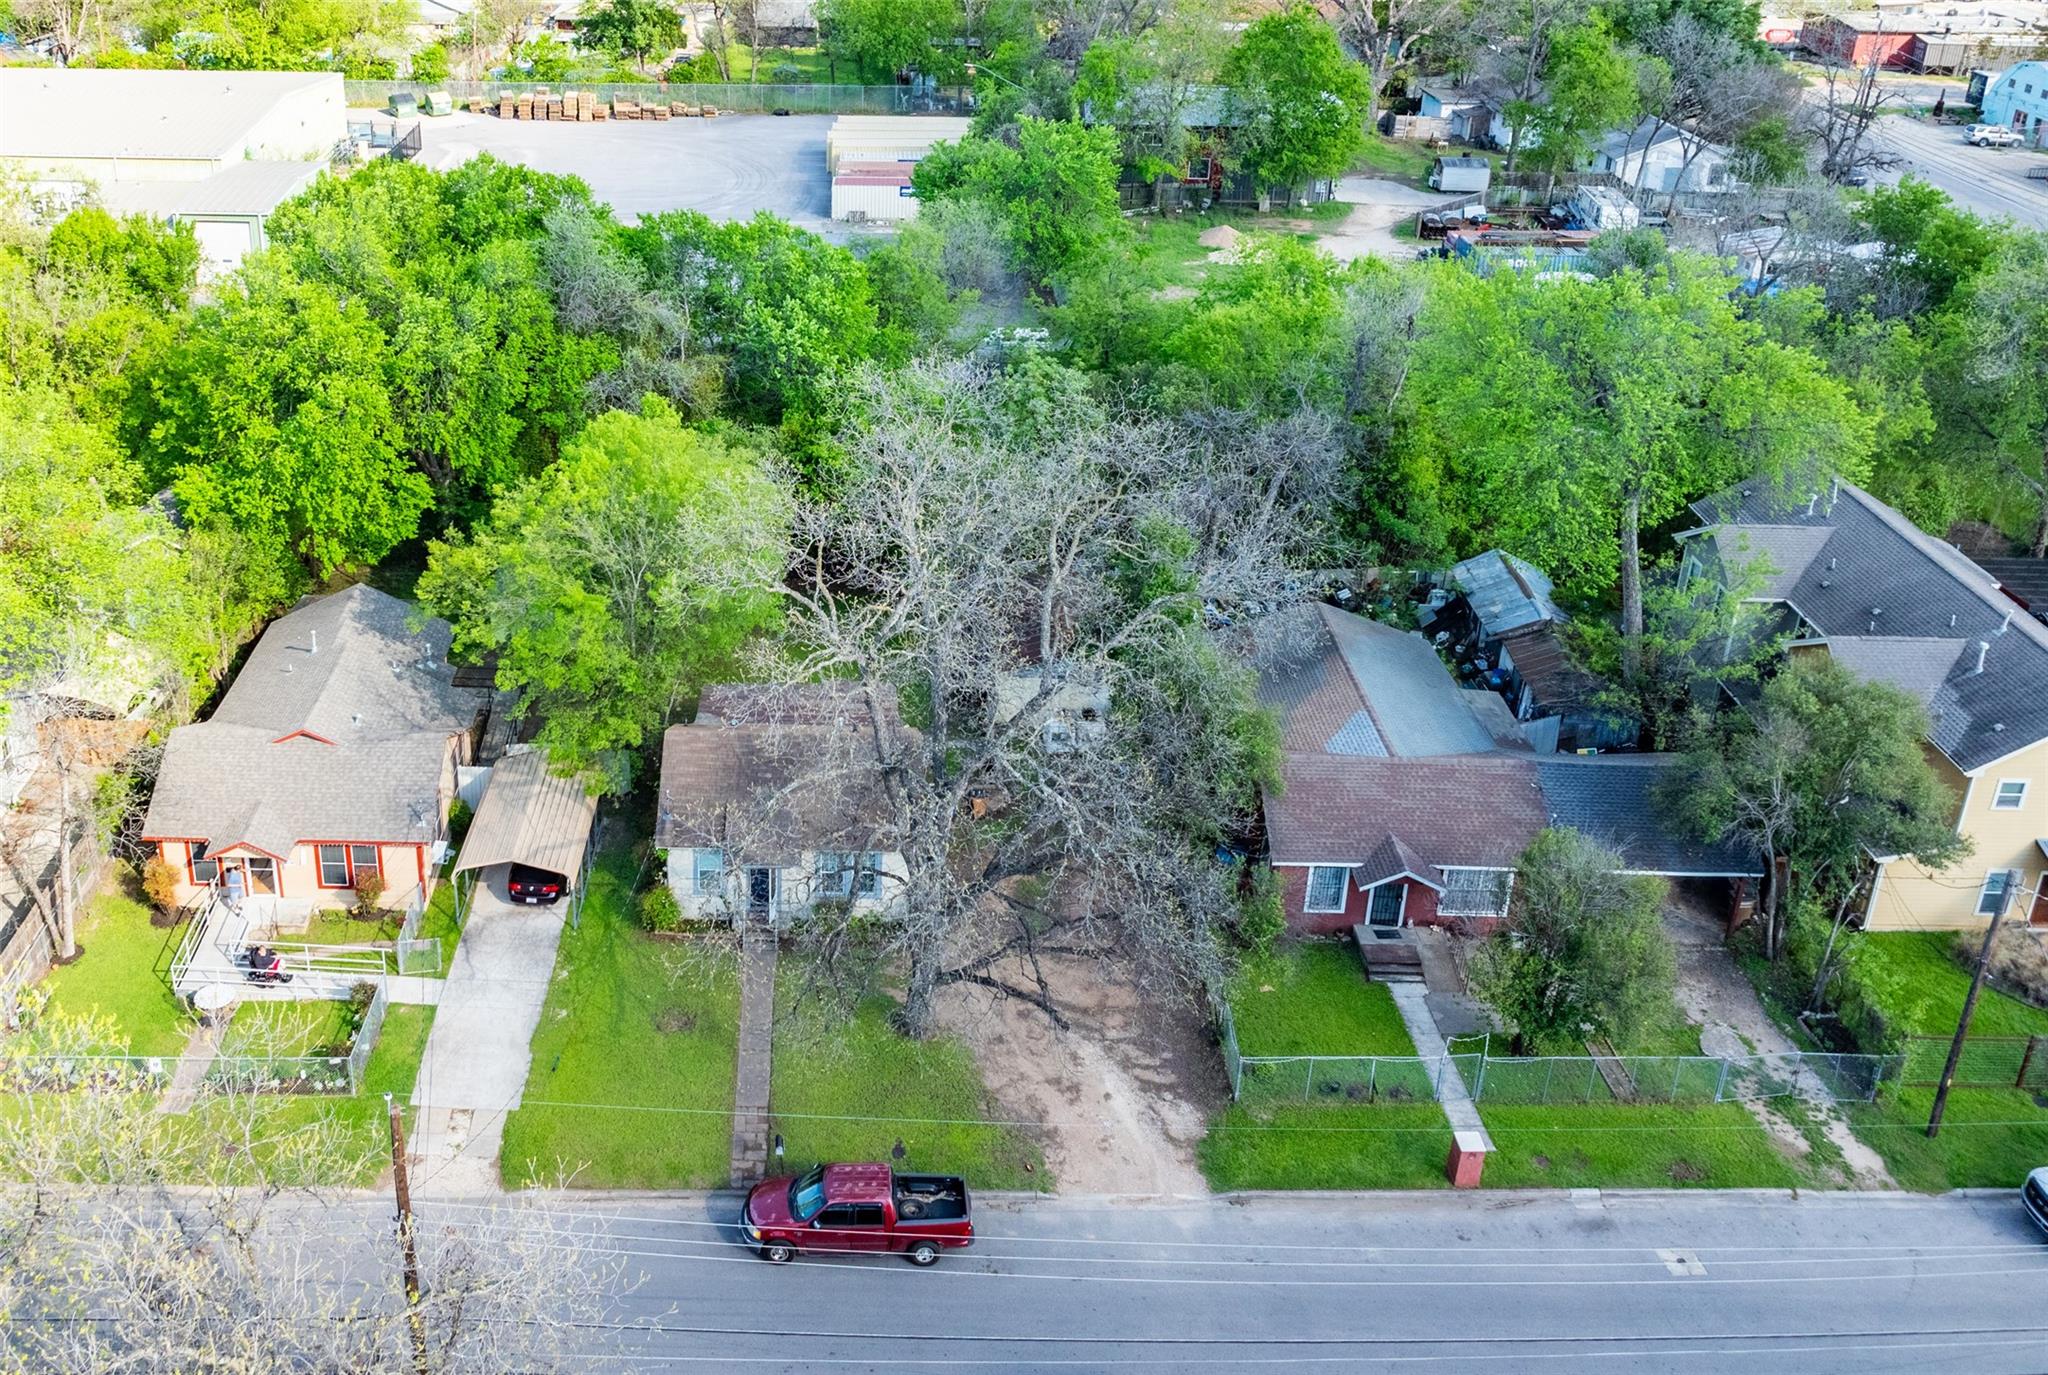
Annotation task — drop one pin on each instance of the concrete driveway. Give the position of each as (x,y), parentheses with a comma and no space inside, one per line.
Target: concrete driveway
(1990,182)
(729,167)
(474,1069)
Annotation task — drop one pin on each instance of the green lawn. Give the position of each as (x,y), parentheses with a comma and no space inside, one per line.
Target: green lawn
(811,65)
(294,1028)
(122,975)
(646,1026)
(1402,159)
(334,926)
(1990,1138)
(1313,999)
(1314,1146)
(853,1089)
(1614,1145)
(1924,986)
(1167,254)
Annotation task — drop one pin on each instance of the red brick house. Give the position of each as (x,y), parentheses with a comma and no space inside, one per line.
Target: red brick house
(1405,799)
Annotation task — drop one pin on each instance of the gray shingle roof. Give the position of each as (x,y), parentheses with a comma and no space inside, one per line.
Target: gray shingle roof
(1613,799)
(1876,577)
(1418,705)
(337,728)
(777,772)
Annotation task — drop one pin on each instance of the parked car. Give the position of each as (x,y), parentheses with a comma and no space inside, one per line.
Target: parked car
(1991,136)
(2034,1197)
(836,1209)
(533,887)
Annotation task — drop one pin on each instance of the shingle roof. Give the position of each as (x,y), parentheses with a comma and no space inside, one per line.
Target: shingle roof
(1393,858)
(1613,798)
(1480,810)
(1780,554)
(1876,577)
(337,728)
(2025,580)
(1419,707)
(775,771)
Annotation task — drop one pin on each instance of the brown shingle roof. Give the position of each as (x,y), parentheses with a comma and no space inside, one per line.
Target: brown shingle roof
(1478,809)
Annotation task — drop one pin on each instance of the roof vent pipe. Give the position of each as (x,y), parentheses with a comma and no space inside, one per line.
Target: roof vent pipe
(1812,502)
(1951,620)
(2005,624)
(1983,648)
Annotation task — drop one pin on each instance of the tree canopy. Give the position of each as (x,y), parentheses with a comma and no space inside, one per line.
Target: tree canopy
(1302,103)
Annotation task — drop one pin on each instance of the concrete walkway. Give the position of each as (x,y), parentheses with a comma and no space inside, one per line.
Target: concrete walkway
(759,951)
(474,1069)
(1412,1001)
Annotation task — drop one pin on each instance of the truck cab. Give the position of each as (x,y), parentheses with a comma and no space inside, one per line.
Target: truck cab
(852,1209)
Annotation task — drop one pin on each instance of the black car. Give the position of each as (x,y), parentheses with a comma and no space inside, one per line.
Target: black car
(534,887)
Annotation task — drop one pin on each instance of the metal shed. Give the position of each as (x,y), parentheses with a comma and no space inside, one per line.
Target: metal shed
(529,815)
(1461,174)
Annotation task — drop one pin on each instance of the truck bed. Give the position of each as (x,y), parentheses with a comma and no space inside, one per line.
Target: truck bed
(929,1198)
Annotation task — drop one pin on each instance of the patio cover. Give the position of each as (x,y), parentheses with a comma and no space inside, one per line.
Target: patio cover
(530,816)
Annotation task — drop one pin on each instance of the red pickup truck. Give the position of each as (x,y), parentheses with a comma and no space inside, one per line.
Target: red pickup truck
(857,1208)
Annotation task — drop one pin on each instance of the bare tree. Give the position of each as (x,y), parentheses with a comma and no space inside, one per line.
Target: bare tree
(490,30)
(146,1241)
(1511,66)
(1006,555)
(1716,90)
(1838,116)
(1074,26)
(72,28)
(1383,32)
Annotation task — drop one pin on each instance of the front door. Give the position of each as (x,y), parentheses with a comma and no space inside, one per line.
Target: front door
(761,886)
(2039,915)
(262,876)
(1384,907)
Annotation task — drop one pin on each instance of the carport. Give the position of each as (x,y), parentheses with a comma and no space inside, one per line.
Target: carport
(531,816)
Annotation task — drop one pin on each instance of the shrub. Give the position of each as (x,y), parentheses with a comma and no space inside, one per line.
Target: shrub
(659,910)
(1868,1007)
(2019,960)
(160,884)
(369,890)
(1261,920)
(460,814)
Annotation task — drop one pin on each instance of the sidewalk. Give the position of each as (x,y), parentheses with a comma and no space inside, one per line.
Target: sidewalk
(1412,1001)
(477,1055)
(759,953)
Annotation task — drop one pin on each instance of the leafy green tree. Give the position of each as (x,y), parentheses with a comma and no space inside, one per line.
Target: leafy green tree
(1590,89)
(879,38)
(1929,243)
(613,584)
(2005,321)
(1056,191)
(638,29)
(430,63)
(1302,101)
(1827,770)
(483,384)
(272,417)
(1147,86)
(1583,951)
(354,37)
(1264,332)
(543,59)
(913,306)
(786,311)
(1559,418)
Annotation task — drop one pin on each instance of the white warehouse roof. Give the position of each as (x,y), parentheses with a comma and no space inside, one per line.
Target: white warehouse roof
(249,189)
(84,112)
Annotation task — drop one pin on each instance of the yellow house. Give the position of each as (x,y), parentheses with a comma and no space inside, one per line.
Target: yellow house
(1853,579)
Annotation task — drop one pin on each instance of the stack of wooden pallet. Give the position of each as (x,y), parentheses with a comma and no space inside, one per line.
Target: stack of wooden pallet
(583,107)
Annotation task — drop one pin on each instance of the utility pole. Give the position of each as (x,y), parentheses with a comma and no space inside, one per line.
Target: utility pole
(1955,1050)
(401,1185)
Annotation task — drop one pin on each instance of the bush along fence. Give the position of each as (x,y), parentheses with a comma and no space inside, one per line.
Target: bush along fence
(252,1073)
(1256,1079)
(761,98)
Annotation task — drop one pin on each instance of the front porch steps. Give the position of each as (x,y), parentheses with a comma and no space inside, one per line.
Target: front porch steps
(1389,953)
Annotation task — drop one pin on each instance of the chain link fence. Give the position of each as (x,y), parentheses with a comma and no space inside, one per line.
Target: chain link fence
(754,98)
(1987,1062)
(1556,1078)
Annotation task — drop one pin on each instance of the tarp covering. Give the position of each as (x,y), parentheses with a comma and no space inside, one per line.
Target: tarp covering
(530,816)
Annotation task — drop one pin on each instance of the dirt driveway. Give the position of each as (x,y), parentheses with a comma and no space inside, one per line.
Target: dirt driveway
(1377,206)
(1125,1092)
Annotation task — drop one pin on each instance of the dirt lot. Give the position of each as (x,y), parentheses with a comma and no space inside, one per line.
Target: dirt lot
(1377,206)
(1125,1092)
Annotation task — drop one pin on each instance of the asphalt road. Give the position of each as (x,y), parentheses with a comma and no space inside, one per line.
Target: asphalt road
(729,167)
(1668,1282)
(1991,182)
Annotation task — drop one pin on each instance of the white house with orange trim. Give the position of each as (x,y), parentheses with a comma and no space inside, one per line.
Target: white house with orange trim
(333,755)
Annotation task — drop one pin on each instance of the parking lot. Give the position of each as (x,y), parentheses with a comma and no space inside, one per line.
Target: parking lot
(1991,182)
(727,167)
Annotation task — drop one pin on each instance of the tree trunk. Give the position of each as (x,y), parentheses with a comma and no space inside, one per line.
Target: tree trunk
(919,995)
(67,909)
(1631,588)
